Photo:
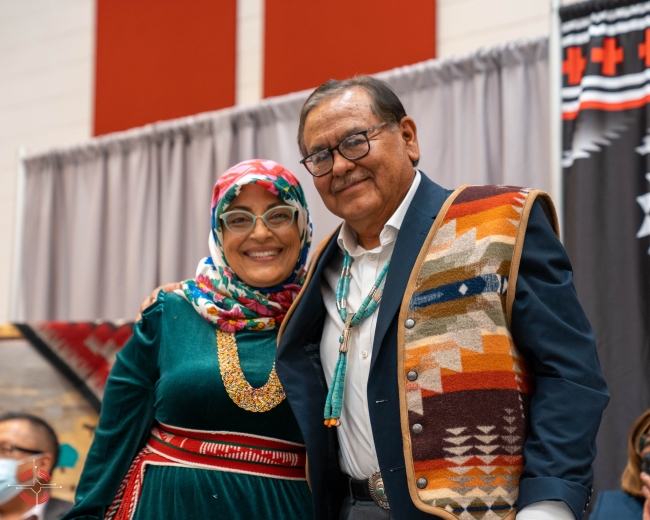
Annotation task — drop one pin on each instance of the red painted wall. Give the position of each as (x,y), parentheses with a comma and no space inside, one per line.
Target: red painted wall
(161,59)
(307,43)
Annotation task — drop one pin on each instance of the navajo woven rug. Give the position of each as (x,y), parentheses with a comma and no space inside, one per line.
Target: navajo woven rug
(83,352)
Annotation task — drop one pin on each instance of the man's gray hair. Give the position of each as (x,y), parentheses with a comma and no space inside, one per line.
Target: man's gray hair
(385,103)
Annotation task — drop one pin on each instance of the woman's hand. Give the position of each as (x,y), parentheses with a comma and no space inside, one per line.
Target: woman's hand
(645,478)
(169,287)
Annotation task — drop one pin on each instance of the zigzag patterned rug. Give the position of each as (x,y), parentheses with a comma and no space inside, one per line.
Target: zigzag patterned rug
(83,352)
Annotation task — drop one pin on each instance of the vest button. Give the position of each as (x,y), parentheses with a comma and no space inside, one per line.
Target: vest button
(417,428)
(410,323)
(422,483)
(412,375)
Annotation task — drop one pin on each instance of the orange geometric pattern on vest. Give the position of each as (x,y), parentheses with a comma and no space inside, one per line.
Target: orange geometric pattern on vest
(468,387)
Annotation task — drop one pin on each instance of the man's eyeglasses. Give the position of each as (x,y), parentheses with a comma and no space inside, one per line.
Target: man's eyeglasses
(8,450)
(241,222)
(352,148)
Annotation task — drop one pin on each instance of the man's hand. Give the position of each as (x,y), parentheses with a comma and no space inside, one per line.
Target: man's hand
(170,287)
(645,478)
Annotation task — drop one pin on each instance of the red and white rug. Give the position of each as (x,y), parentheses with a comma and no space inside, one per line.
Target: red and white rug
(83,352)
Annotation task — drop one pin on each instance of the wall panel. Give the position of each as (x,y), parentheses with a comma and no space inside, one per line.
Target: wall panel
(162,59)
(307,43)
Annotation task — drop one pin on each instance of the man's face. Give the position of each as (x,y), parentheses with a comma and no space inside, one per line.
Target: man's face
(18,433)
(366,191)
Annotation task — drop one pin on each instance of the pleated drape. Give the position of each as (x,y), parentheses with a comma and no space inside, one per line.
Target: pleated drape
(107,221)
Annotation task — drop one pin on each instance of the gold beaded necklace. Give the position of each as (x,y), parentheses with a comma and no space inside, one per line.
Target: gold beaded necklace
(260,399)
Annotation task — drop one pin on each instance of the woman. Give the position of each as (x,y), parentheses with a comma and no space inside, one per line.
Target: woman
(629,504)
(194,422)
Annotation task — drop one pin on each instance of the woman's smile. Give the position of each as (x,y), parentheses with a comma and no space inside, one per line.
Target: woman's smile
(263,254)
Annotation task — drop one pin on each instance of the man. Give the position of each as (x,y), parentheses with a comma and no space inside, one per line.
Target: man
(437,359)
(361,148)
(27,441)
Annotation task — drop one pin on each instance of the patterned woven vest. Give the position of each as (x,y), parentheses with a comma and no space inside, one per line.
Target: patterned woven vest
(464,389)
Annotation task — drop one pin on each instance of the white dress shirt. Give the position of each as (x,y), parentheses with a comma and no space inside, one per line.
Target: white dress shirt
(357,455)
(35,513)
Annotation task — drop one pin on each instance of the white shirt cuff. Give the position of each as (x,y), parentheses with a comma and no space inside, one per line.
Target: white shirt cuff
(546,510)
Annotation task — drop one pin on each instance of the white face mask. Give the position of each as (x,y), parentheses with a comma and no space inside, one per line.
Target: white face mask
(8,478)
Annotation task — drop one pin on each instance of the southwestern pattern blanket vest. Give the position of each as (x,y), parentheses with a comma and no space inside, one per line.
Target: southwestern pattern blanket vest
(464,389)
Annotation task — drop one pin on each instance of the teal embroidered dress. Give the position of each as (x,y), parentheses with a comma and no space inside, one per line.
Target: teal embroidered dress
(169,372)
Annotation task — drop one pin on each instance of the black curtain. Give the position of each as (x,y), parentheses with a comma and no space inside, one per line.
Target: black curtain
(606,159)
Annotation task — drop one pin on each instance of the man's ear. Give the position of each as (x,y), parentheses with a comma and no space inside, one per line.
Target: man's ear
(409,134)
(46,462)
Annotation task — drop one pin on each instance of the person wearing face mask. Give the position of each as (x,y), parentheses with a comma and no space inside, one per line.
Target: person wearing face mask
(26,441)
(194,421)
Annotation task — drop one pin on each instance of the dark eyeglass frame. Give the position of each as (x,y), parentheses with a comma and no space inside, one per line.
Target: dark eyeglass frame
(10,448)
(338,149)
(293,209)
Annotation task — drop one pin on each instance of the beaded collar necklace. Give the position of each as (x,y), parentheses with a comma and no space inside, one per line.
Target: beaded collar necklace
(334,400)
(260,399)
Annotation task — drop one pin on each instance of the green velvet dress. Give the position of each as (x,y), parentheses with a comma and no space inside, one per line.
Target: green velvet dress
(169,372)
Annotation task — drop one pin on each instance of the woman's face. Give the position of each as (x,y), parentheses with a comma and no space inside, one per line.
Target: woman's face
(262,257)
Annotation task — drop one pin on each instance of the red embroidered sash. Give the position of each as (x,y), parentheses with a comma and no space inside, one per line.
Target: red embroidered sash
(222,451)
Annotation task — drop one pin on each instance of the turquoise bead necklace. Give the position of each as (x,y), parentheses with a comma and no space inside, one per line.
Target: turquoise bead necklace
(350,319)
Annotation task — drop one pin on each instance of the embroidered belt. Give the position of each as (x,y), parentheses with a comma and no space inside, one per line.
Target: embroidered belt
(223,451)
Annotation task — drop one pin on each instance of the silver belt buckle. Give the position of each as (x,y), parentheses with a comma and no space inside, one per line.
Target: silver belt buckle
(377,490)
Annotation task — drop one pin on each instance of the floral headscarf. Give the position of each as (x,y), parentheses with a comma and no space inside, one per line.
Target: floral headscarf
(217,293)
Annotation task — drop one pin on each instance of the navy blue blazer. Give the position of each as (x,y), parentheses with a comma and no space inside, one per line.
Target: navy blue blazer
(549,328)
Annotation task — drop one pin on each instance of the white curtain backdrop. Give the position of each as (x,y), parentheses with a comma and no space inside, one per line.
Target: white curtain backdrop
(105,222)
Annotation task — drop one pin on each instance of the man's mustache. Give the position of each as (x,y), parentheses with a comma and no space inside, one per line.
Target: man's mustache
(347,181)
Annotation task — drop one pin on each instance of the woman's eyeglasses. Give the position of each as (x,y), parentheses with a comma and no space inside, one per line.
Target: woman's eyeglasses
(352,148)
(241,222)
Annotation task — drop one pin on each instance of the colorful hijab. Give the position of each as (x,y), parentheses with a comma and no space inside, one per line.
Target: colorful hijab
(217,293)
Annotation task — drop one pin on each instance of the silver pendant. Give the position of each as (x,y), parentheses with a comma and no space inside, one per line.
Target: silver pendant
(377,490)
(345,335)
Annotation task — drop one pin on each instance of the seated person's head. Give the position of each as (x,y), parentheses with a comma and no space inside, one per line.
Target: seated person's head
(638,445)
(25,441)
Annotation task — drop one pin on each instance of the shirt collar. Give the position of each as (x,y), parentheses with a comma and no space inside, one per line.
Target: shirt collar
(347,239)
(37,512)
